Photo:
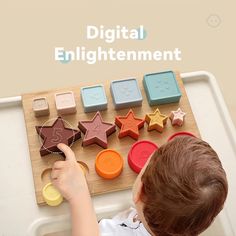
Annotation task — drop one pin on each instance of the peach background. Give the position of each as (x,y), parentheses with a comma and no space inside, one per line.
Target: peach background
(31,29)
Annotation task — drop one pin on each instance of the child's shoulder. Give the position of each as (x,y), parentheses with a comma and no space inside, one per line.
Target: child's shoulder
(125,223)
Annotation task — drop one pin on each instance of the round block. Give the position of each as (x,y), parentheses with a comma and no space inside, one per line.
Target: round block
(109,164)
(180,134)
(51,195)
(139,154)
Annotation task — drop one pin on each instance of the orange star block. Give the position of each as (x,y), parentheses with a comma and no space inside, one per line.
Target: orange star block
(156,120)
(129,125)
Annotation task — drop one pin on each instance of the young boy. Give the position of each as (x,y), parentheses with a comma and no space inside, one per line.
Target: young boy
(180,191)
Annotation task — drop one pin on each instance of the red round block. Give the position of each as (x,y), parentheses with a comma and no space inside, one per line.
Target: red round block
(180,134)
(139,154)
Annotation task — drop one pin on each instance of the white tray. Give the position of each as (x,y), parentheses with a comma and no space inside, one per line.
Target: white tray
(20,214)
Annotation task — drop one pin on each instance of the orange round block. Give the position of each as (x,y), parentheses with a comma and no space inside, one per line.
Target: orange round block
(109,164)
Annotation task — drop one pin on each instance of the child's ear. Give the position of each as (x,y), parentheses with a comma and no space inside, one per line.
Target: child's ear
(138,192)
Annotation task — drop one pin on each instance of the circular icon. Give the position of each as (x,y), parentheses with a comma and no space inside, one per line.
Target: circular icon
(213,20)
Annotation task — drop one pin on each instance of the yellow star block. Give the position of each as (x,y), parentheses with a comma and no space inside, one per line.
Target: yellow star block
(156,120)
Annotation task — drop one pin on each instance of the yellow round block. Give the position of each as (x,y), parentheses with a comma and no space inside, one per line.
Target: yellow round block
(51,195)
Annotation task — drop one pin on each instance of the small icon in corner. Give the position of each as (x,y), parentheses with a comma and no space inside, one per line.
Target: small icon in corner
(213,20)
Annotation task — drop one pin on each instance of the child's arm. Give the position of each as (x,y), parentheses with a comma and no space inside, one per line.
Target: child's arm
(69,178)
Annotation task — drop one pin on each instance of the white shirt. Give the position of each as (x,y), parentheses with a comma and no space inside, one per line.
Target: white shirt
(123,224)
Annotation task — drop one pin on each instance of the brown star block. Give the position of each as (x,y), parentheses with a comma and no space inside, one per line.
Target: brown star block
(55,134)
(156,120)
(96,131)
(129,125)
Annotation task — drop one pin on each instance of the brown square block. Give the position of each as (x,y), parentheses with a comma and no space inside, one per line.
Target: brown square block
(40,107)
(65,103)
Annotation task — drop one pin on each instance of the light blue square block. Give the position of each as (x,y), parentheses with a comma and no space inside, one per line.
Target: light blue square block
(94,98)
(126,93)
(161,88)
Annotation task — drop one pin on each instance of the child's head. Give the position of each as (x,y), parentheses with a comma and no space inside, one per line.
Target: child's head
(181,189)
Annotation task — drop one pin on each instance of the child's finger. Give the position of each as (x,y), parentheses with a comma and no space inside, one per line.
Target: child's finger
(67,151)
(55,182)
(58,165)
(55,174)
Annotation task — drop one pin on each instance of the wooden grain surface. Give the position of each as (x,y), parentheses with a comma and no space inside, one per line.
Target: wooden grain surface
(41,165)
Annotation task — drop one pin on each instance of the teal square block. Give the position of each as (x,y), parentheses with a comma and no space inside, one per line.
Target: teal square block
(161,88)
(126,93)
(94,98)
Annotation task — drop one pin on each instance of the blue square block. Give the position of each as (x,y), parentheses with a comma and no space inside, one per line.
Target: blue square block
(126,93)
(94,98)
(161,88)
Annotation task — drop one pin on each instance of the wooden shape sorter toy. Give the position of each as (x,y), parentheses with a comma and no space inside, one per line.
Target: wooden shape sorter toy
(86,155)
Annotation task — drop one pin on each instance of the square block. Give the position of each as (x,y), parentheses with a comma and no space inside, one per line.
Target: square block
(161,88)
(94,98)
(40,107)
(126,93)
(65,103)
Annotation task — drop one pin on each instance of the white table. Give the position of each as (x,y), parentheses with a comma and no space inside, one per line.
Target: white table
(19,213)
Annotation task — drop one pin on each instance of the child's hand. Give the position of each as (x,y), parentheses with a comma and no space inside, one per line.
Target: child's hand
(68,177)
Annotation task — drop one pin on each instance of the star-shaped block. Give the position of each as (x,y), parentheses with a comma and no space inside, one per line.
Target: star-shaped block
(96,131)
(156,120)
(129,125)
(177,117)
(55,134)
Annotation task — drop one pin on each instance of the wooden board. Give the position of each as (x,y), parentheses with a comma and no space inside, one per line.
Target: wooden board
(97,185)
